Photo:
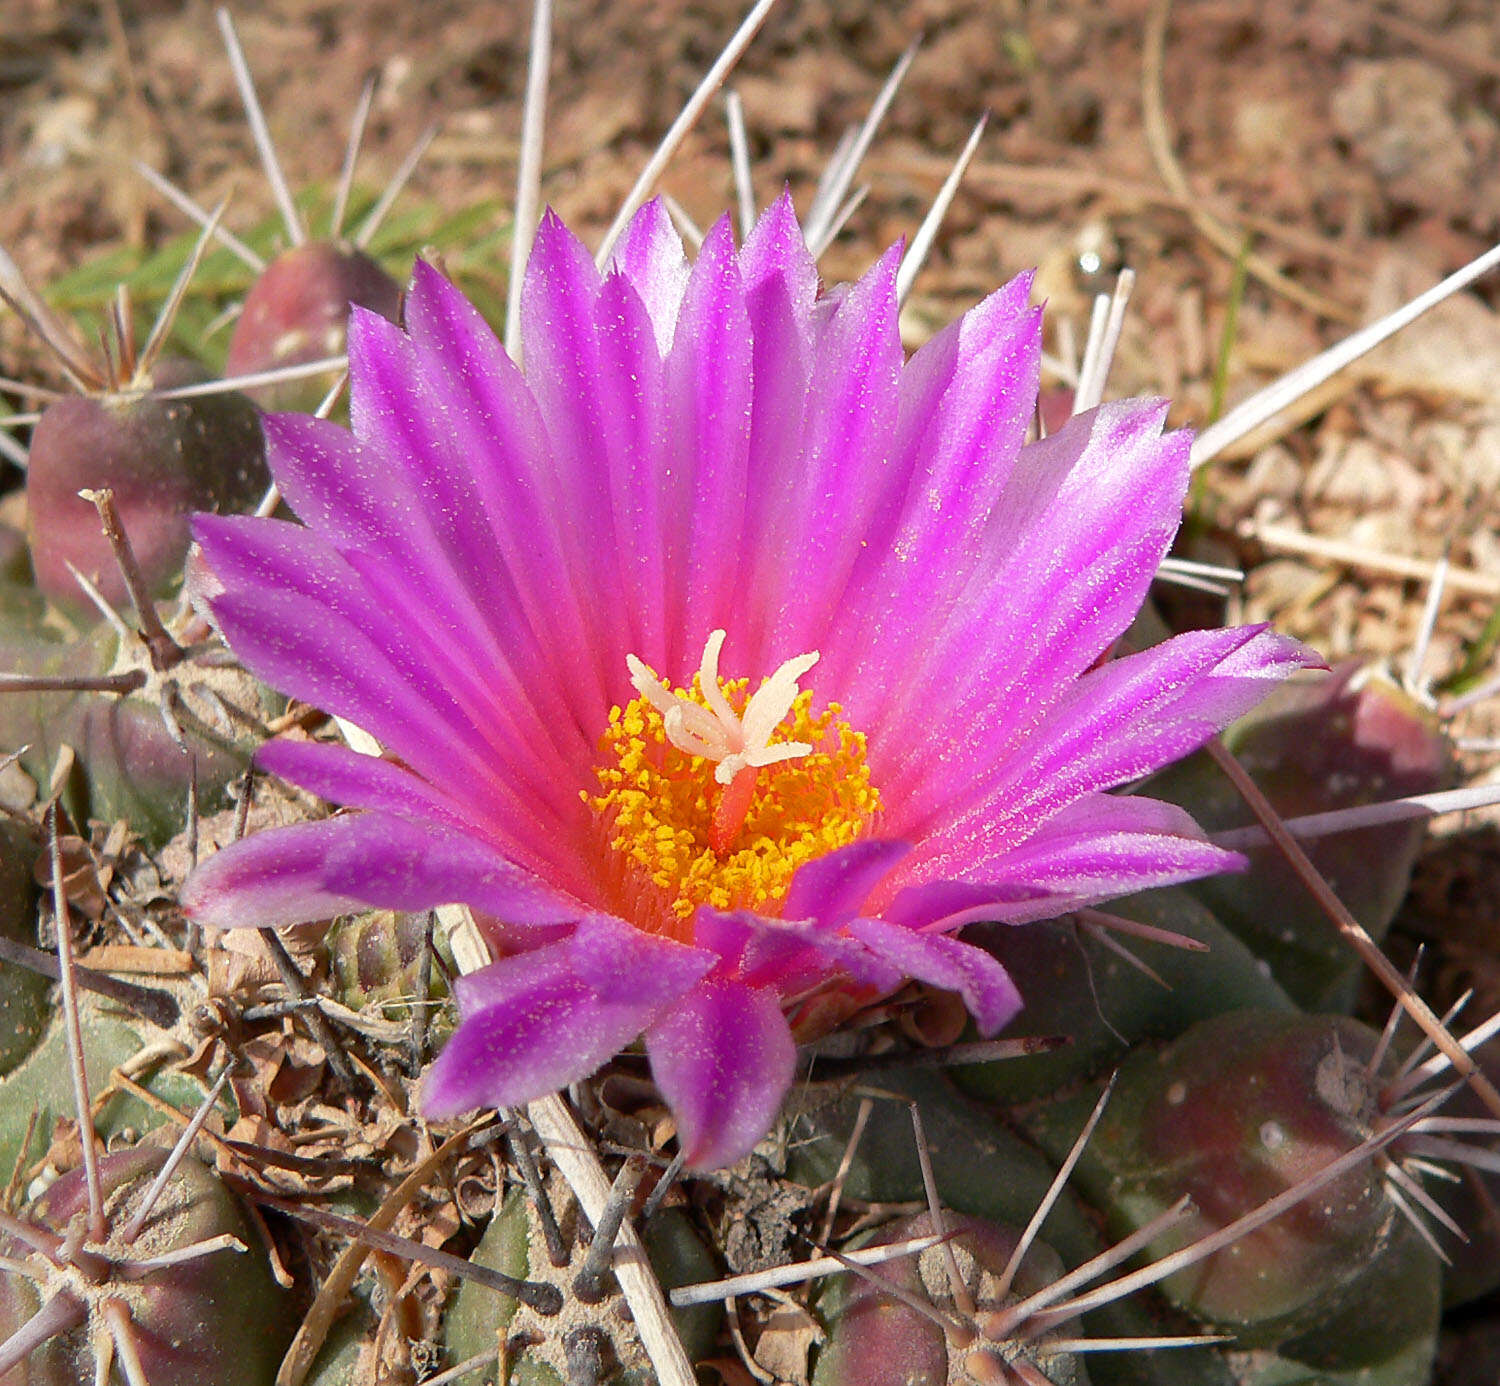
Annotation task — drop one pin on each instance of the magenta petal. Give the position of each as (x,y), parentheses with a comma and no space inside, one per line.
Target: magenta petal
(1076,539)
(789,956)
(723,1058)
(319,870)
(650,255)
(356,780)
(494,424)
(776,250)
(1117,724)
(831,889)
(844,486)
(619,962)
(330,485)
(965,401)
(949,963)
(709,406)
(1102,846)
(537,1021)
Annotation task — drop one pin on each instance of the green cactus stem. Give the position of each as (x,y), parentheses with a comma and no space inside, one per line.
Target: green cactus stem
(1236,1111)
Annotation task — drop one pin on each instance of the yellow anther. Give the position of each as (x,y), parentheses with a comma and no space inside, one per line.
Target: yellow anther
(661,855)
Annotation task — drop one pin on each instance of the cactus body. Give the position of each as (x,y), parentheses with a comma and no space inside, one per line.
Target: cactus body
(216,1318)
(1236,1111)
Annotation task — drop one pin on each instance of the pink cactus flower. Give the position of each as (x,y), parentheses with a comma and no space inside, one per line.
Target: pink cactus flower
(726,662)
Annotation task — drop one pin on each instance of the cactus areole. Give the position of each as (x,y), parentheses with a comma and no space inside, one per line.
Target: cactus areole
(524,586)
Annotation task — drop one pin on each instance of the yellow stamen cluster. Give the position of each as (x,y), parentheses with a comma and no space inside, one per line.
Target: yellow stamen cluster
(657,803)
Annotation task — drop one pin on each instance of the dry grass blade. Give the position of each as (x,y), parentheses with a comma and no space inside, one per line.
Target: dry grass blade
(1354,932)
(64,924)
(542,1298)
(335,1289)
(1260,407)
(573,1154)
(1286,539)
(1159,139)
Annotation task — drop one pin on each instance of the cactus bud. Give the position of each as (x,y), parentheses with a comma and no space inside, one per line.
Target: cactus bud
(298,310)
(163,459)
